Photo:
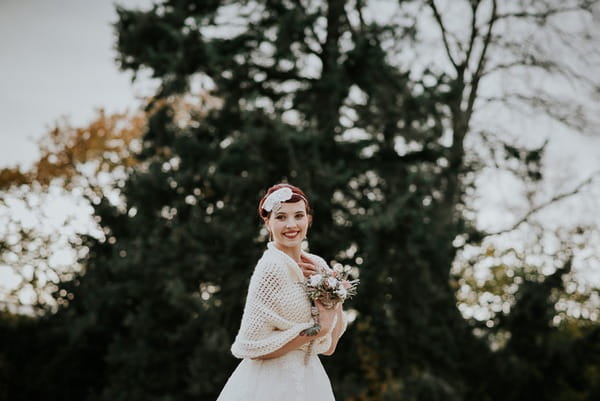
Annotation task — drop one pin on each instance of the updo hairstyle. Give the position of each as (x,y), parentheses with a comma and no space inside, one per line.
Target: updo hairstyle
(297,195)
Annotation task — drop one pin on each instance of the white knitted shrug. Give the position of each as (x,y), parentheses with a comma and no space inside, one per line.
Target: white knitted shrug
(277,307)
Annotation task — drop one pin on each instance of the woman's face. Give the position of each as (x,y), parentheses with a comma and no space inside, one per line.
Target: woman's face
(289,224)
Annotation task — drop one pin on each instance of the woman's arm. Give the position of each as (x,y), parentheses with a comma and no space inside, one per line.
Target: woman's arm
(296,343)
(326,317)
(337,330)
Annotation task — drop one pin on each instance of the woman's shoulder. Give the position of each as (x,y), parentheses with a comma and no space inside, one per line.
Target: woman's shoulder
(270,264)
(277,263)
(266,263)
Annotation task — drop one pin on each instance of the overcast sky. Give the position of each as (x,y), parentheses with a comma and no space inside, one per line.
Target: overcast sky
(57,59)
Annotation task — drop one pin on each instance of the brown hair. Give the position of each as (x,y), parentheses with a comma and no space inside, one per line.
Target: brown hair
(297,195)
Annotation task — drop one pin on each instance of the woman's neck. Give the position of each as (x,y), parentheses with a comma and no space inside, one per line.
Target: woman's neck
(292,252)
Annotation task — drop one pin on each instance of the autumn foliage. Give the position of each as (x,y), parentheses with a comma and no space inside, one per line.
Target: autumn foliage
(109,141)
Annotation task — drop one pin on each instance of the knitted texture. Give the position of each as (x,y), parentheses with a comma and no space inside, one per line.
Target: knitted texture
(277,307)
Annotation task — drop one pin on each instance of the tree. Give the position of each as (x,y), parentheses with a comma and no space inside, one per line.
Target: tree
(316,93)
(289,124)
(76,166)
(40,246)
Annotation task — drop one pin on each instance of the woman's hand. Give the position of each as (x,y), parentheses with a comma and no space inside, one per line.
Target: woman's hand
(326,316)
(308,268)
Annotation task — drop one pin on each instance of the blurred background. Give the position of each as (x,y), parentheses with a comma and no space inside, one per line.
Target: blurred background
(450,149)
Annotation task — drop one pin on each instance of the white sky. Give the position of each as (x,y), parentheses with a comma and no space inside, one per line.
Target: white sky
(56,60)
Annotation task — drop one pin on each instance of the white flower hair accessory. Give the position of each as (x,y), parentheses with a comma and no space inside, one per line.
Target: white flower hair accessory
(273,201)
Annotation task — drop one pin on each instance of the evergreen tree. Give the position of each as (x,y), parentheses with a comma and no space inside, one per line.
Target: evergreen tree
(194,223)
(541,360)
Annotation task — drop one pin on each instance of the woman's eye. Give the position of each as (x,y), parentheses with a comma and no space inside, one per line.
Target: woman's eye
(280,217)
(299,216)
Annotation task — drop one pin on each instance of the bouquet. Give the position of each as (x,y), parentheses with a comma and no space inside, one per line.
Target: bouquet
(329,288)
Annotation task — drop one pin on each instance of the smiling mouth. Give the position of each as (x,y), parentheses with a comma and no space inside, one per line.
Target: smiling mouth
(291,235)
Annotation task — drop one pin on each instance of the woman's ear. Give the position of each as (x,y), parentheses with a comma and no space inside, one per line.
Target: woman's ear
(309,220)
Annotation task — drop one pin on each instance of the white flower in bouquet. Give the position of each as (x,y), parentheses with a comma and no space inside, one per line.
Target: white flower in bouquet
(342,292)
(315,280)
(332,282)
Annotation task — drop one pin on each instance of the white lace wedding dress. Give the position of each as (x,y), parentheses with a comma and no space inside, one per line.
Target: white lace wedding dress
(277,309)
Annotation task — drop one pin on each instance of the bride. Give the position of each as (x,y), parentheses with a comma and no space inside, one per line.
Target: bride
(277,341)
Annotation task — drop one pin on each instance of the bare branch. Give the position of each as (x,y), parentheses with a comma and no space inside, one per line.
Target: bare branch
(549,202)
(481,63)
(567,112)
(530,54)
(438,19)
(474,31)
(488,141)
(359,7)
(541,15)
